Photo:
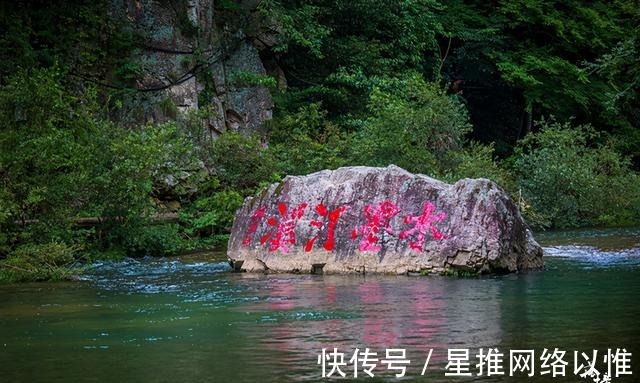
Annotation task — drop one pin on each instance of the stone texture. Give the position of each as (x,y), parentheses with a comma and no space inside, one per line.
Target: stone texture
(173,74)
(247,107)
(472,226)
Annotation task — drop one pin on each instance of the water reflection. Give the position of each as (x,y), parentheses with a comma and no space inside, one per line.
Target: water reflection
(193,320)
(300,316)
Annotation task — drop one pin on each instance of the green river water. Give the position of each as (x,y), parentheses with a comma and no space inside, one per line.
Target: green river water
(190,319)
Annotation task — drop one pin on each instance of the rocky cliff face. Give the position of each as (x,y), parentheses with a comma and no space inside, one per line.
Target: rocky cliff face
(385,220)
(192,54)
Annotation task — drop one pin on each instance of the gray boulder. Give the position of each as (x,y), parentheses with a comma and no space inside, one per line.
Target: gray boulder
(381,220)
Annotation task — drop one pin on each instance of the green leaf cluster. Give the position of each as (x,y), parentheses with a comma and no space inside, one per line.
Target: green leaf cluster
(571,177)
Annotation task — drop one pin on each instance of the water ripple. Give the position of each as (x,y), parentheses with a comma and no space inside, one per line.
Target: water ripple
(594,256)
(151,275)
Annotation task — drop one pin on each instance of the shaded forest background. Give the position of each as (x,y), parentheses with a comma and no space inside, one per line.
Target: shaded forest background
(540,96)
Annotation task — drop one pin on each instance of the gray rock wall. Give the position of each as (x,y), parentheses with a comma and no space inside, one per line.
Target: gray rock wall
(190,46)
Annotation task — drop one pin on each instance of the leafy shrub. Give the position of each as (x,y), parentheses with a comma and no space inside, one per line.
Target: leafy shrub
(572,177)
(241,79)
(414,125)
(126,167)
(156,240)
(306,141)
(476,160)
(241,163)
(29,263)
(212,215)
(67,161)
(46,138)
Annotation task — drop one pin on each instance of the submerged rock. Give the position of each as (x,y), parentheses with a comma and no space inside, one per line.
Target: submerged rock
(382,220)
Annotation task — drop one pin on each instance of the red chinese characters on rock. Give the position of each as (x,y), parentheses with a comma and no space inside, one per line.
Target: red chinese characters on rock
(378,221)
(422,224)
(378,217)
(332,217)
(284,228)
(256,217)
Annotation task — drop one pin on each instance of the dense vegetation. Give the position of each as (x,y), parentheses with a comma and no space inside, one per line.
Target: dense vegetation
(540,96)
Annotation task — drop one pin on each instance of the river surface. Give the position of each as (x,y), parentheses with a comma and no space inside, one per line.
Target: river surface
(190,319)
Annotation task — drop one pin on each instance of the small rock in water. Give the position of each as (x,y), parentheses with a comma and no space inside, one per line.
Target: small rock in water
(381,220)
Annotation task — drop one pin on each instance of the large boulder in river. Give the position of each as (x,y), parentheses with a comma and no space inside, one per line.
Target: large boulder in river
(382,220)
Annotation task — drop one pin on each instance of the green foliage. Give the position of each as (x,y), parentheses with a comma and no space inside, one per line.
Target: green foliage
(241,162)
(477,161)
(299,24)
(305,142)
(74,35)
(247,79)
(554,57)
(46,139)
(46,262)
(193,128)
(572,177)
(112,254)
(7,205)
(380,36)
(540,47)
(620,66)
(322,40)
(127,165)
(60,160)
(413,125)
(154,240)
(210,215)
(621,69)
